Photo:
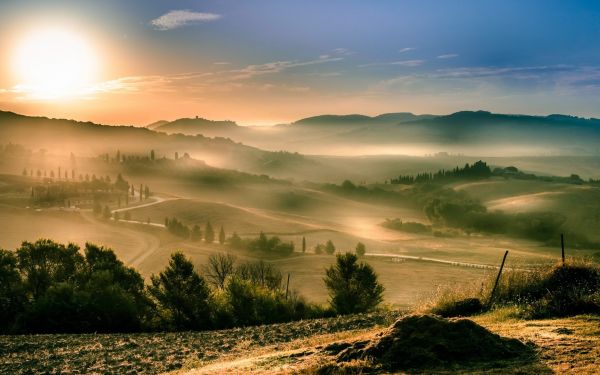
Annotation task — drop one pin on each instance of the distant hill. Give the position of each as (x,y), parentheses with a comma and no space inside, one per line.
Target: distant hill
(360,120)
(156,124)
(60,136)
(193,126)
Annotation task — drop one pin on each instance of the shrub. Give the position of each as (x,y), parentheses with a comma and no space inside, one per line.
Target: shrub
(182,295)
(558,291)
(12,291)
(353,287)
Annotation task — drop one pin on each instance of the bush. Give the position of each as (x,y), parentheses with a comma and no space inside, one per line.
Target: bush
(353,287)
(12,291)
(252,304)
(562,290)
(181,295)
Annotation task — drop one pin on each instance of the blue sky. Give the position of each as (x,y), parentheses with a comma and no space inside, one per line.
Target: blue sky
(274,60)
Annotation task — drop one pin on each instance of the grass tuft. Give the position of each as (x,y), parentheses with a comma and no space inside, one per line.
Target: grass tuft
(557,291)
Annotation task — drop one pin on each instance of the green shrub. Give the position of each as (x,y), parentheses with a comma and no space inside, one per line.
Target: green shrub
(558,291)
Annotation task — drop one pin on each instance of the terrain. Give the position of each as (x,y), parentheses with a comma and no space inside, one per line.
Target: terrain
(562,345)
(121,186)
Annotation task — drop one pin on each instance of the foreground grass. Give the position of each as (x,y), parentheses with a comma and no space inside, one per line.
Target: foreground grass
(565,345)
(568,345)
(153,353)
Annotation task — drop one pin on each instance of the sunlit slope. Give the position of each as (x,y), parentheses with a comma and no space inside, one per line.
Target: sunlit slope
(579,204)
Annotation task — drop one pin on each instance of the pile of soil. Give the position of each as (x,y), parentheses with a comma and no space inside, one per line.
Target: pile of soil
(426,341)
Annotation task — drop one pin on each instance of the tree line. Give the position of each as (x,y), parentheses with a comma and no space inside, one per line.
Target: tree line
(48,287)
(478,170)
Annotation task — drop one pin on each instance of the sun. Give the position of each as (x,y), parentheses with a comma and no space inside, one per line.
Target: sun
(54,64)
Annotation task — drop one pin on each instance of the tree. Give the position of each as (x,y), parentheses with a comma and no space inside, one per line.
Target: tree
(219,268)
(106,213)
(352,286)
(319,248)
(329,248)
(222,236)
(360,249)
(196,234)
(303,244)
(45,262)
(182,295)
(12,291)
(236,241)
(209,233)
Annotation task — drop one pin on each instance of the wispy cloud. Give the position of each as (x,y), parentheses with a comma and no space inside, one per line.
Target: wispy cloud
(448,56)
(179,18)
(343,51)
(279,66)
(406,63)
(405,49)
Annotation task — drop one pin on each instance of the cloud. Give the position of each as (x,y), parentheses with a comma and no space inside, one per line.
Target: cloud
(278,66)
(448,56)
(343,51)
(179,18)
(406,49)
(406,63)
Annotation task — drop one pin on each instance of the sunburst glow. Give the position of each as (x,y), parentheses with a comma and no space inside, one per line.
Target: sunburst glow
(54,64)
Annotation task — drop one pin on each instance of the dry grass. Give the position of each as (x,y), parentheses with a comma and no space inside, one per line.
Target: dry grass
(153,353)
(560,290)
(569,345)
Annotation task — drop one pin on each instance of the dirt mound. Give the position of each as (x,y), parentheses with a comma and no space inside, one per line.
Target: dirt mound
(426,341)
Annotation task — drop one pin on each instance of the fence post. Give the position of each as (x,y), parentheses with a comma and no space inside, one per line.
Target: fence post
(562,246)
(287,286)
(497,278)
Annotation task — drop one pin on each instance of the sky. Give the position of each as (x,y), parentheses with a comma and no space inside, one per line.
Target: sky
(262,62)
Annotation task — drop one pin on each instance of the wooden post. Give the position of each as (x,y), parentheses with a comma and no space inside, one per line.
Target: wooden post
(287,286)
(562,246)
(497,278)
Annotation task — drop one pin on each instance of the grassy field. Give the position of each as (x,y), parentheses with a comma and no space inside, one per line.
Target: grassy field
(154,353)
(569,345)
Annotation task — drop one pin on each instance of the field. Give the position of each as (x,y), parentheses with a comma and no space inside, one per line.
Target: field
(411,266)
(562,345)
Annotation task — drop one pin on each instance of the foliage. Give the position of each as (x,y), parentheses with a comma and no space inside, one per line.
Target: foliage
(209,233)
(181,295)
(329,247)
(478,170)
(562,290)
(12,291)
(219,268)
(361,249)
(262,243)
(47,287)
(353,286)
(178,228)
(66,292)
(407,226)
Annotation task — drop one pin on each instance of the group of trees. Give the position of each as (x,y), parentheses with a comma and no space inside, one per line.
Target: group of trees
(478,170)
(194,233)
(49,287)
(327,248)
(263,243)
